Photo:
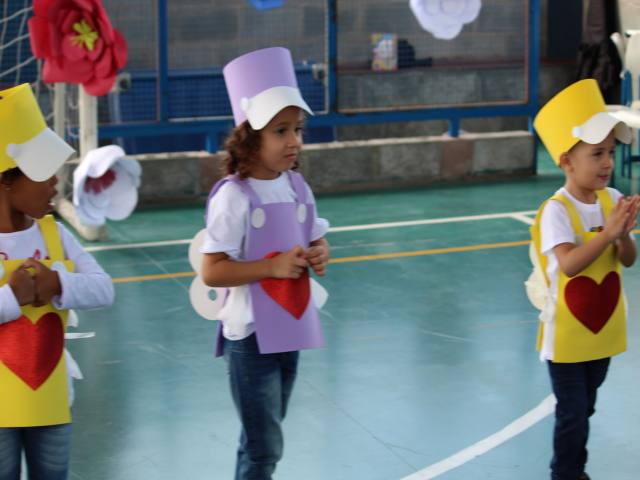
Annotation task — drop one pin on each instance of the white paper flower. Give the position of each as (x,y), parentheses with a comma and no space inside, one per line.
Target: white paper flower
(445,18)
(105,186)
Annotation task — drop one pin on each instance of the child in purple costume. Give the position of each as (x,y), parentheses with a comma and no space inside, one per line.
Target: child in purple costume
(263,235)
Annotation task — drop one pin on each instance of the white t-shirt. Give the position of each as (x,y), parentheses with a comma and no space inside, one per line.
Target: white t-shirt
(555,229)
(227,214)
(87,287)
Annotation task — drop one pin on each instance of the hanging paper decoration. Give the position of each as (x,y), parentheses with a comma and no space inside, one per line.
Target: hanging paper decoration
(105,186)
(445,18)
(266,4)
(77,43)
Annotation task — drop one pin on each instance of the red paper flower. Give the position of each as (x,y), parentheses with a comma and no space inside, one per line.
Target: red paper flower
(78,44)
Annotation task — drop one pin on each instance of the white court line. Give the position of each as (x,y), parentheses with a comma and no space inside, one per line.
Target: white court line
(430,221)
(528,420)
(351,228)
(523,218)
(124,246)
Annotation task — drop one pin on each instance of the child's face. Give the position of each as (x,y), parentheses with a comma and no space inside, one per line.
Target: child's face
(280,143)
(588,166)
(34,199)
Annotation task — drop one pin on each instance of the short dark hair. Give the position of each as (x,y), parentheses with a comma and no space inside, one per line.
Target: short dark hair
(8,177)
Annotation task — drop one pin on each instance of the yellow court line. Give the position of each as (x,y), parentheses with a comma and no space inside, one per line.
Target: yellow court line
(361,258)
(434,251)
(159,276)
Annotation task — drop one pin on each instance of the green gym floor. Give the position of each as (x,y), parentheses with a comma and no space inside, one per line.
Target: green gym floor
(430,369)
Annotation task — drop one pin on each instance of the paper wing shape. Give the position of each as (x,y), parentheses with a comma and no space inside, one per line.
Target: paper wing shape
(206,301)
(536,285)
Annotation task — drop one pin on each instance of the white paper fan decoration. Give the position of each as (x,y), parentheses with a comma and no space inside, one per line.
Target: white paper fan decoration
(445,18)
(105,186)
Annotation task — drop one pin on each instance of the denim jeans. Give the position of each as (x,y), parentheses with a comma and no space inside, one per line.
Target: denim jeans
(46,450)
(261,386)
(575,386)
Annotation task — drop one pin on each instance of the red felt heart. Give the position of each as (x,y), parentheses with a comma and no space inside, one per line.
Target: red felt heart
(31,351)
(591,303)
(292,294)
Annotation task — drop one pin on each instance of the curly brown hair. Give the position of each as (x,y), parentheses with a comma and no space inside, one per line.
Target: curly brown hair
(242,147)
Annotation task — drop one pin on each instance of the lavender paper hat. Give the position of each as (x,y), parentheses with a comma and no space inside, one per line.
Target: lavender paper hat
(260,84)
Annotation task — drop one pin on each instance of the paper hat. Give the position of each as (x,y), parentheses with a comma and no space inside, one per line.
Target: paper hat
(260,84)
(105,186)
(25,140)
(577,113)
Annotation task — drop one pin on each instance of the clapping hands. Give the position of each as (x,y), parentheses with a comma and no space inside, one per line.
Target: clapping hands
(34,283)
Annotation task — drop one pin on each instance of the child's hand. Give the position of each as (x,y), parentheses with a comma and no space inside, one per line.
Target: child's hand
(23,286)
(289,264)
(318,256)
(619,219)
(46,282)
(633,208)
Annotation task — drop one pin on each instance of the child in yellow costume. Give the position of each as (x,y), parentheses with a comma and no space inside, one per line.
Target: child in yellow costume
(582,237)
(44,272)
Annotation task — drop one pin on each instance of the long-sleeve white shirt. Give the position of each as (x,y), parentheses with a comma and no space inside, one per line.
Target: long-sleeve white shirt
(86,288)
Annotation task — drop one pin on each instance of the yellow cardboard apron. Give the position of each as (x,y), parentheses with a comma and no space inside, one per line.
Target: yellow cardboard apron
(590,317)
(33,374)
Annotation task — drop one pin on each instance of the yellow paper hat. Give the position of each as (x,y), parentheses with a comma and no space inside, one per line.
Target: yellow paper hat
(25,140)
(577,113)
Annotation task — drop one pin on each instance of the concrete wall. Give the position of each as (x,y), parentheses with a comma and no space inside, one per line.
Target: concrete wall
(355,165)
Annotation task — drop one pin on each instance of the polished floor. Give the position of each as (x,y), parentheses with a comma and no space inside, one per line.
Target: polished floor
(430,352)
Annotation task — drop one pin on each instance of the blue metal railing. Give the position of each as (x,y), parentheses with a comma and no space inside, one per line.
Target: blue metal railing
(216,126)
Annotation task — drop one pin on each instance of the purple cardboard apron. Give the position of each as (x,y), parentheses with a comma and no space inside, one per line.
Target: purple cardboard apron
(284,314)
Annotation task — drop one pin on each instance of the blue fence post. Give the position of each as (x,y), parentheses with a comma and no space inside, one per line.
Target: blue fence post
(163,63)
(533,65)
(211,141)
(332,57)
(454,127)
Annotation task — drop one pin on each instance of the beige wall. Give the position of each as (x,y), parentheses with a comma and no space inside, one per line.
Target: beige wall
(629,11)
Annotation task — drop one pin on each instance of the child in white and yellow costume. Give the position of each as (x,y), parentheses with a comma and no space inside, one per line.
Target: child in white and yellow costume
(44,272)
(582,238)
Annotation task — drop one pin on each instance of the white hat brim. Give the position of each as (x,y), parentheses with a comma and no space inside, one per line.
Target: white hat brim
(596,129)
(42,156)
(266,105)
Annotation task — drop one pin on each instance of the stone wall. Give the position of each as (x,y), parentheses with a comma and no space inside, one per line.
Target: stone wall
(355,165)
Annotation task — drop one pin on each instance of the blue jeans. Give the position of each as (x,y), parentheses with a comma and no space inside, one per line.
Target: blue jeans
(575,386)
(261,386)
(46,450)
